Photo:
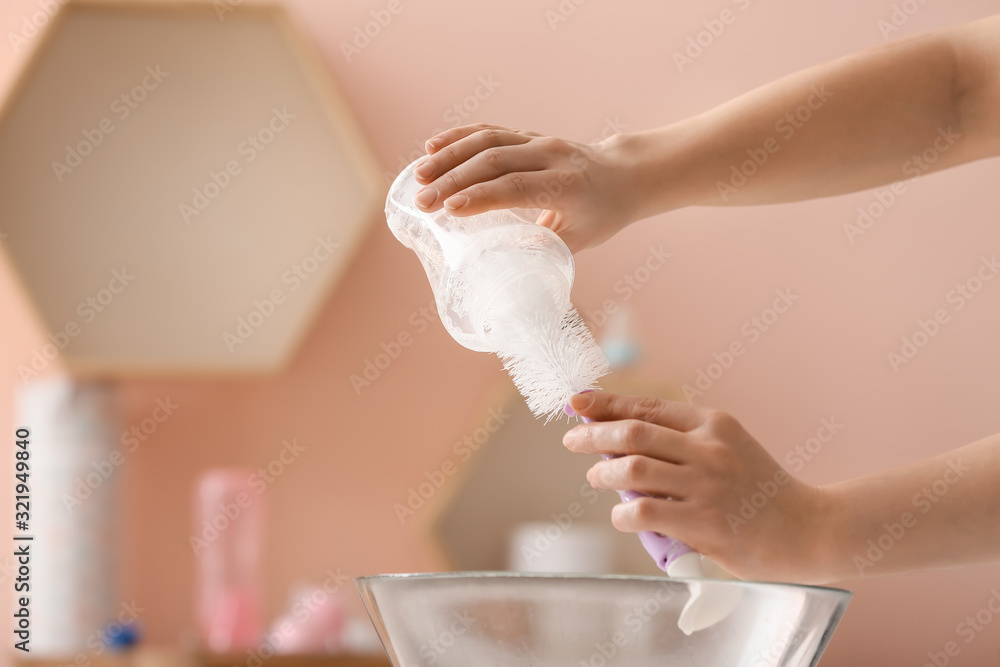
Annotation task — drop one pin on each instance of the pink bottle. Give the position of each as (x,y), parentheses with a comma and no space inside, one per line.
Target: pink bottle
(227,542)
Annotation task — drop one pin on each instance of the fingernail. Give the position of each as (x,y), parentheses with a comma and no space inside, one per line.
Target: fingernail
(456,201)
(432,144)
(426,197)
(581,401)
(424,169)
(570,439)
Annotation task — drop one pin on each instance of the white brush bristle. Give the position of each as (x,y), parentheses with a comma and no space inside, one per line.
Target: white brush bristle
(553,359)
(502,285)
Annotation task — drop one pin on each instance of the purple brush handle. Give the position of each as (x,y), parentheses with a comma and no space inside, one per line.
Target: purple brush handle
(664,550)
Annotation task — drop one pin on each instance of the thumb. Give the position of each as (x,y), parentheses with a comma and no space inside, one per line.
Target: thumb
(605,406)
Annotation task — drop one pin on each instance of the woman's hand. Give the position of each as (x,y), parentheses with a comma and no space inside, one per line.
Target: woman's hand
(709,484)
(582,189)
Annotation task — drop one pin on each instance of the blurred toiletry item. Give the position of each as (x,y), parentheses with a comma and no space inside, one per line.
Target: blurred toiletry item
(561,546)
(72,478)
(313,624)
(227,541)
(617,338)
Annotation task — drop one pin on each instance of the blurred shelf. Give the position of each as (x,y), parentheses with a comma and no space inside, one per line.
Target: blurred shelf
(332,660)
(210,660)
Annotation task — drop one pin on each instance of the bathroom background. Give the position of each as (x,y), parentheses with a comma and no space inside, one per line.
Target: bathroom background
(580,70)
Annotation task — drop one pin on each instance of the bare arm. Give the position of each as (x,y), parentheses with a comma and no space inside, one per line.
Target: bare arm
(877,116)
(730,500)
(881,115)
(940,512)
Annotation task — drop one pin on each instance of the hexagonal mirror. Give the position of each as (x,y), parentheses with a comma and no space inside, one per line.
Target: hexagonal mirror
(179,187)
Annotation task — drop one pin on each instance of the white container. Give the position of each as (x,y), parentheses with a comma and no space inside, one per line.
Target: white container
(551,547)
(73,512)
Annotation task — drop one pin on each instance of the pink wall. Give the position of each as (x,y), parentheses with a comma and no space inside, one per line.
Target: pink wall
(608,62)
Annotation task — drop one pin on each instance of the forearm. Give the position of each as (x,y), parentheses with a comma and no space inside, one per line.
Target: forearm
(878,116)
(942,512)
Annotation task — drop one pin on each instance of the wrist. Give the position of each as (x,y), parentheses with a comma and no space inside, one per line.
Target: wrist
(655,169)
(628,157)
(833,547)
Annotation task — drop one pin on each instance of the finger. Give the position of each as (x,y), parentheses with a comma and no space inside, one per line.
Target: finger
(628,437)
(482,167)
(673,518)
(604,406)
(559,224)
(451,135)
(463,147)
(640,473)
(514,190)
